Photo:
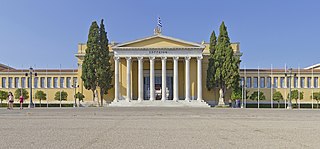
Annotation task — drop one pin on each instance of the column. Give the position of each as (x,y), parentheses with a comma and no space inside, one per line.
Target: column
(140,78)
(152,90)
(128,79)
(164,79)
(116,79)
(175,79)
(187,61)
(199,75)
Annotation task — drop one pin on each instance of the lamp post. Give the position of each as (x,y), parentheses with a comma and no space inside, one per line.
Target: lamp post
(31,72)
(242,93)
(75,86)
(289,74)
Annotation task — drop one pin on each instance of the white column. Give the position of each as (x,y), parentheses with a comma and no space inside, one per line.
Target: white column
(128,79)
(152,90)
(164,79)
(199,75)
(175,79)
(116,79)
(140,78)
(187,60)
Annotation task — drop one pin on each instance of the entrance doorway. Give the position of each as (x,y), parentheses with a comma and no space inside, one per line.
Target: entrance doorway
(158,87)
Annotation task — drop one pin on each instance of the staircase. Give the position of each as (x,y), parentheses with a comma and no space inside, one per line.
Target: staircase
(159,103)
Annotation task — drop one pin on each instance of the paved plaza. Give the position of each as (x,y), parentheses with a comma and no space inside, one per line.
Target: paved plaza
(156,127)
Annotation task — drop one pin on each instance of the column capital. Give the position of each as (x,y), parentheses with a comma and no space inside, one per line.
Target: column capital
(176,58)
(152,58)
(200,57)
(140,58)
(187,58)
(128,58)
(163,58)
(116,58)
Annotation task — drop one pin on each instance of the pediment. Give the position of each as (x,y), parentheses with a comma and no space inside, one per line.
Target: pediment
(159,41)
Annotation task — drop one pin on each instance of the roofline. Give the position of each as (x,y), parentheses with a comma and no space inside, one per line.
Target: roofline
(159,35)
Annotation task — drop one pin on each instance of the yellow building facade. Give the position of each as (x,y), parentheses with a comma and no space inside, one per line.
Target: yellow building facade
(159,68)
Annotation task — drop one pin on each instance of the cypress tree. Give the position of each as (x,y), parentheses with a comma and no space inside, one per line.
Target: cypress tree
(225,64)
(90,59)
(104,72)
(211,71)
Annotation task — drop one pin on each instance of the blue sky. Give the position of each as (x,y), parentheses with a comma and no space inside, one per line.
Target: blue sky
(41,33)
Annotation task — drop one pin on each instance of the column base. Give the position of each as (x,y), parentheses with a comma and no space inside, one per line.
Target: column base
(200,100)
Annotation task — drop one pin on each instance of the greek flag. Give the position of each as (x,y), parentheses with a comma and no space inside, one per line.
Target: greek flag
(159,22)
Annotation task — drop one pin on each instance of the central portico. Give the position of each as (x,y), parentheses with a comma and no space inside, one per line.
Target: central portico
(154,82)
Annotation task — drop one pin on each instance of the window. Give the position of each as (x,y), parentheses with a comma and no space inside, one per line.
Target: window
(275,82)
(68,82)
(242,82)
(309,82)
(269,82)
(4,81)
(315,82)
(302,82)
(295,82)
(288,82)
(29,80)
(55,82)
(61,82)
(10,82)
(42,80)
(248,84)
(49,82)
(282,83)
(262,82)
(23,82)
(75,80)
(255,82)
(16,82)
(35,82)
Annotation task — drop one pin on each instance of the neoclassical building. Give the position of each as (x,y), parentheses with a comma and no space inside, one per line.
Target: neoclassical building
(160,68)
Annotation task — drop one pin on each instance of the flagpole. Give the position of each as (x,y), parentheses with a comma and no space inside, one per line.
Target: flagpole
(312,88)
(285,91)
(34,89)
(271,89)
(258,87)
(299,87)
(47,86)
(245,87)
(59,86)
(8,79)
(21,83)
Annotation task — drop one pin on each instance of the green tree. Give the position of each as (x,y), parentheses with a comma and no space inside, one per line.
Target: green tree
(316,96)
(79,96)
(236,94)
(17,94)
(254,96)
(277,96)
(211,82)
(3,95)
(104,72)
(64,95)
(295,95)
(224,72)
(41,96)
(89,76)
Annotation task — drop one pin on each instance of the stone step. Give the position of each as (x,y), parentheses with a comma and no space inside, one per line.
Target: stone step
(158,103)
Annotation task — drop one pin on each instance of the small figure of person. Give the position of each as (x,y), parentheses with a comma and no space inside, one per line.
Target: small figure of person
(10,101)
(21,101)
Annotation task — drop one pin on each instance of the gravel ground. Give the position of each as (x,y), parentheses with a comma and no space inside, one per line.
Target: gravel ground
(159,128)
